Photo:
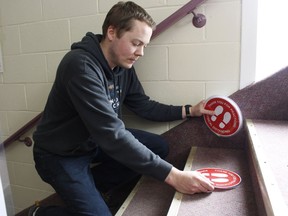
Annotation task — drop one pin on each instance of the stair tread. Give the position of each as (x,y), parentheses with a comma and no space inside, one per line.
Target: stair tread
(154,198)
(270,149)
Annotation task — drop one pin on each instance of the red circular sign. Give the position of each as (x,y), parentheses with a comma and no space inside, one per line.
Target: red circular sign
(222,178)
(227,119)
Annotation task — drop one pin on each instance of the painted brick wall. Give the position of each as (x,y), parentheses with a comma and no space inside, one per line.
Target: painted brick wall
(183,65)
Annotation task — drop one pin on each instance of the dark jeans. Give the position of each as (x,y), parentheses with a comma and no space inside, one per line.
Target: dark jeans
(79,186)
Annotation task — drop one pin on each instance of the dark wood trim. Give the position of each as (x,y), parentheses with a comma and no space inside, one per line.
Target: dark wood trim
(176,16)
(17,135)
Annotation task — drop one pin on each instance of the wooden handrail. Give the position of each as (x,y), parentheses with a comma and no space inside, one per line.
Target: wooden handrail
(161,27)
(17,135)
(175,17)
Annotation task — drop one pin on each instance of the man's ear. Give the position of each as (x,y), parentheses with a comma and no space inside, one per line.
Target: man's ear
(111,33)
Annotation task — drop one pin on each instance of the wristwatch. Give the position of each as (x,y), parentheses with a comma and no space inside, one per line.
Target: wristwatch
(187,111)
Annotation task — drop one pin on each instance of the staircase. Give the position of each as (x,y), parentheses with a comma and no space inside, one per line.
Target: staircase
(238,201)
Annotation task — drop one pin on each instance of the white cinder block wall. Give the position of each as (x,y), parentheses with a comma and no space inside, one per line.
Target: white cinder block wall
(183,65)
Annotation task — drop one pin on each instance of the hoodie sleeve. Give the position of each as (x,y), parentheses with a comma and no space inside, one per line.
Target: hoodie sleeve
(89,97)
(138,102)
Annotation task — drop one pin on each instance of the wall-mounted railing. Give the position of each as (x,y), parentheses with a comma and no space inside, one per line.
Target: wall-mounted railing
(178,15)
(188,8)
(17,135)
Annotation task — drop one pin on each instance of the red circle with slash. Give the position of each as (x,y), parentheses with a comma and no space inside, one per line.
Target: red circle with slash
(227,119)
(222,178)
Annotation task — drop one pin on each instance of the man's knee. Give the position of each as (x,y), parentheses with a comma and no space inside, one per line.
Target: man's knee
(162,147)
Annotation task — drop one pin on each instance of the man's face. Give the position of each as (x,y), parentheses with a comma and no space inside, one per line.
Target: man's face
(125,51)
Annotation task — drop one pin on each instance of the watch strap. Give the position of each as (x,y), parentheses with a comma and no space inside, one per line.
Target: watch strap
(187,111)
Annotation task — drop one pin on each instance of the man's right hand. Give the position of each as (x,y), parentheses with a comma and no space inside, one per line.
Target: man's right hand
(189,182)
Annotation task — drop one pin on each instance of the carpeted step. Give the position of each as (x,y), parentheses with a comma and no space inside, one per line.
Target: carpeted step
(269,153)
(153,198)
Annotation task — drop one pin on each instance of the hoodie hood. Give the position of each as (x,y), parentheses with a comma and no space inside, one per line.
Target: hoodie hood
(91,44)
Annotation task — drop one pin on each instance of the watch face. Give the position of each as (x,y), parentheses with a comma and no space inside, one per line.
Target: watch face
(187,110)
(227,119)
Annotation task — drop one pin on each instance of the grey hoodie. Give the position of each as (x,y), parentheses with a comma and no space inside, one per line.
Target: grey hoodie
(85,103)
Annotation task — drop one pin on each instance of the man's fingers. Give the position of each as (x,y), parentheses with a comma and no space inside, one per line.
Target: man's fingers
(209,185)
(208,112)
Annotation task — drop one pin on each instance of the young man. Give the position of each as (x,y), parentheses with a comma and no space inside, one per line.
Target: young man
(82,124)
